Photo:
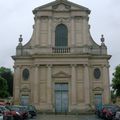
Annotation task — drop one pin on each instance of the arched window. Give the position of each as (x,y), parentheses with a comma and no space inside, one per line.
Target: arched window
(61,36)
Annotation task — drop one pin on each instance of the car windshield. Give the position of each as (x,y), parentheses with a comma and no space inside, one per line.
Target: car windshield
(3,108)
(31,108)
(16,108)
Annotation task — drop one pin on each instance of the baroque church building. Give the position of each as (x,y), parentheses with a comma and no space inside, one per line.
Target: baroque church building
(61,68)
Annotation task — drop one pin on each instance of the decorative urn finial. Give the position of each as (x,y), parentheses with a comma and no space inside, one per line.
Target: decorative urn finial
(102,38)
(20,39)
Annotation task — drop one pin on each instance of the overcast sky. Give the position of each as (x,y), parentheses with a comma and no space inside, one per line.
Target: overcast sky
(16,18)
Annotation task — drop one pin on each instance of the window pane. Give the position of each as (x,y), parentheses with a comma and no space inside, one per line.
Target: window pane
(61,36)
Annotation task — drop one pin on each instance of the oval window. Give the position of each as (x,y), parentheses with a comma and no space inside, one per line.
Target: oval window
(25,74)
(97,73)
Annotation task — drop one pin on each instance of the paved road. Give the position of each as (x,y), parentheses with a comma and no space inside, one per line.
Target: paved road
(66,117)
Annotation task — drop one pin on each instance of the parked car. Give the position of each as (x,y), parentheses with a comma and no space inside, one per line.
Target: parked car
(111,112)
(1,116)
(2,103)
(16,115)
(6,113)
(32,110)
(101,111)
(117,116)
(108,112)
(20,110)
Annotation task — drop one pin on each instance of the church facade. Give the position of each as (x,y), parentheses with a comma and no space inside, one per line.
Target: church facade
(61,68)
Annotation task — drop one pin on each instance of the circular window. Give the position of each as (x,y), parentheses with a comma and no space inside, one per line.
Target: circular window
(25,74)
(97,73)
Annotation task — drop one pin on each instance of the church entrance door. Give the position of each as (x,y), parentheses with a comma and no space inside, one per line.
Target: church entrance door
(61,98)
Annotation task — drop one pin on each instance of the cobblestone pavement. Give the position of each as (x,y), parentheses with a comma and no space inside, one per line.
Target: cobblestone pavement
(66,117)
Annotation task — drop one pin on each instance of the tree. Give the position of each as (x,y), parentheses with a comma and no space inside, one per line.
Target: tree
(116,81)
(7,74)
(3,88)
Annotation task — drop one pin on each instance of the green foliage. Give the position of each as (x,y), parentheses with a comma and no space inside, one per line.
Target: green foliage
(116,81)
(3,88)
(113,97)
(6,73)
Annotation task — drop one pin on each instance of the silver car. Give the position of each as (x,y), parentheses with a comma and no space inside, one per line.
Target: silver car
(1,116)
(117,116)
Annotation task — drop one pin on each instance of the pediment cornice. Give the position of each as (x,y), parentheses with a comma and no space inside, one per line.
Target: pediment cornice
(61,74)
(55,4)
(98,89)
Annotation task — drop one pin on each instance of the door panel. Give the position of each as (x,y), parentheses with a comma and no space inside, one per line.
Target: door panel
(64,101)
(58,101)
(24,100)
(98,101)
(61,97)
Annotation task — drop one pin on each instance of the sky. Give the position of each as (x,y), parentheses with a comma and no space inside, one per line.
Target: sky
(16,18)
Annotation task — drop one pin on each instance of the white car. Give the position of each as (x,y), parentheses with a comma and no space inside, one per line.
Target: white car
(117,116)
(1,116)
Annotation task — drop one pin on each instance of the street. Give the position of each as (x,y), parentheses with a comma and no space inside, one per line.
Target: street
(65,117)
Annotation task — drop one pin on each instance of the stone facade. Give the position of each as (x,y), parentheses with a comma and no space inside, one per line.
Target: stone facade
(82,65)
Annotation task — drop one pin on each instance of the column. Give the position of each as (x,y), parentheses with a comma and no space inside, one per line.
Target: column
(72,32)
(73,87)
(37,31)
(16,90)
(36,84)
(49,85)
(49,31)
(86,84)
(106,84)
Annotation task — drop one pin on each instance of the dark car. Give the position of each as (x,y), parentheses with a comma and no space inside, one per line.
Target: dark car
(20,110)
(100,111)
(111,112)
(107,110)
(16,115)
(32,110)
(5,112)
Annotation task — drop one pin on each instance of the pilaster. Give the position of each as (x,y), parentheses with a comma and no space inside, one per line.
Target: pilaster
(73,85)
(106,84)
(86,84)
(85,30)
(17,79)
(72,31)
(37,31)
(36,84)
(49,85)
(49,31)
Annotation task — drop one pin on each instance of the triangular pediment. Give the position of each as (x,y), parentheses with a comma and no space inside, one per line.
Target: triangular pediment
(98,89)
(61,5)
(25,89)
(61,74)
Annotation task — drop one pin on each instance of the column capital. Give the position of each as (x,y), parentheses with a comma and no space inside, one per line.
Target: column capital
(85,65)
(49,65)
(73,65)
(105,65)
(36,66)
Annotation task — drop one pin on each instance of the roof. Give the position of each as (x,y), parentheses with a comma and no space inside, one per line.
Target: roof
(65,2)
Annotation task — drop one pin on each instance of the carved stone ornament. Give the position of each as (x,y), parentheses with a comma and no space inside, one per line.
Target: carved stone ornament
(97,73)
(61,74)
(62,19)
(25,74)
(61,7)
